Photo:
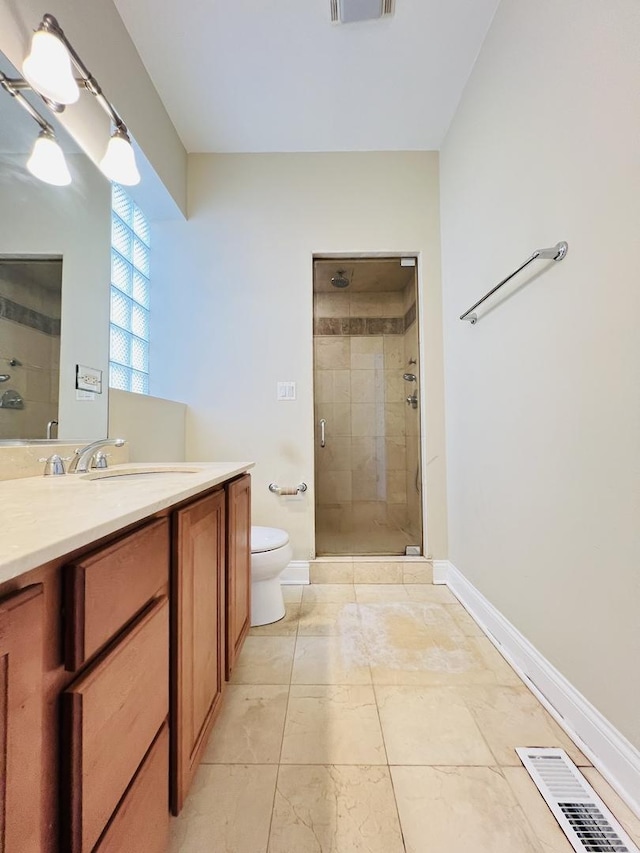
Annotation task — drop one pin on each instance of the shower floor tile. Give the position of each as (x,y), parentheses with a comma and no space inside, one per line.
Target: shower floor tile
(376,540)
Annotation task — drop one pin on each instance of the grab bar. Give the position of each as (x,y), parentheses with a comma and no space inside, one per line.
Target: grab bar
(284,490)
(555,253)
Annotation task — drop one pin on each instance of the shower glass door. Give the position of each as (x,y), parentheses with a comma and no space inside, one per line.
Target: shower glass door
(366,400)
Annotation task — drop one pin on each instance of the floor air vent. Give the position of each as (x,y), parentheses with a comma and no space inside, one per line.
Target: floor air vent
(583,817)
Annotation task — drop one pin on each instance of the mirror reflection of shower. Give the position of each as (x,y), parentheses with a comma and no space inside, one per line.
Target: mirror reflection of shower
(30,312)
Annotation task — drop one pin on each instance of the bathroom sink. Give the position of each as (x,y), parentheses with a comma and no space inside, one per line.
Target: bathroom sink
(138,472)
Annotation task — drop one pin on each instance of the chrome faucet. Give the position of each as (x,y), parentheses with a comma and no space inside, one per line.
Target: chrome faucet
(53,465)
(83,457)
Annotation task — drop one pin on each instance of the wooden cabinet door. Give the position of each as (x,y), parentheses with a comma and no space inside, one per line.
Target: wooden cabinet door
(21,701)
(112,714)
(141,822)
(197,591)
(238,610)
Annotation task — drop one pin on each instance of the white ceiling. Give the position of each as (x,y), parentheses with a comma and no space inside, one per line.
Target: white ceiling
(277,75)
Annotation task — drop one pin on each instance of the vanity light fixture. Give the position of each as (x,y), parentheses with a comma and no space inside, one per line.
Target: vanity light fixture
(47,160)
(119,162)
(49,70)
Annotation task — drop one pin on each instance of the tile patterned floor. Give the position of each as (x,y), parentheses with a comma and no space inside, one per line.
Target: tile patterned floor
(375,718)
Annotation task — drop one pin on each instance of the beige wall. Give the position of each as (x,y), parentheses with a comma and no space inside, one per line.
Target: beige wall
(154,428)
(98,34)
(234,293)
(543,402)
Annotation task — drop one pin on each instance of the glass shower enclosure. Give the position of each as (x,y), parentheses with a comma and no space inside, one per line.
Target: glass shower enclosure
(366,406)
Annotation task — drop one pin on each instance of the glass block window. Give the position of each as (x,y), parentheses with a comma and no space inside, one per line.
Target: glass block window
(130,262)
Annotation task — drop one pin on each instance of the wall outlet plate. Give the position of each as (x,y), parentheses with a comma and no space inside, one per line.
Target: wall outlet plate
(88,379)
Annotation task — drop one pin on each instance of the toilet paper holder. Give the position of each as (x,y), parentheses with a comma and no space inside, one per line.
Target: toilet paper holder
(291,490)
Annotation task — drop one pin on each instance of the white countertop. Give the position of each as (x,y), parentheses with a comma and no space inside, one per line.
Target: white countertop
(43,518)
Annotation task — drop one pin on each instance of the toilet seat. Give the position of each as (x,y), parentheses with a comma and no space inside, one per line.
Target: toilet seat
(267,539)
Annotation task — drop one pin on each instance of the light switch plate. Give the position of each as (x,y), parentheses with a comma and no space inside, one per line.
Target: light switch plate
(286,391)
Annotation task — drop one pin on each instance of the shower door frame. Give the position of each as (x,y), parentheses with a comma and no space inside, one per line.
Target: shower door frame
(418,255)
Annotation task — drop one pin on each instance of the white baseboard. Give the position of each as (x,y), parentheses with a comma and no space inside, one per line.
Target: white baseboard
(297,572)
(609,751)
(440,571)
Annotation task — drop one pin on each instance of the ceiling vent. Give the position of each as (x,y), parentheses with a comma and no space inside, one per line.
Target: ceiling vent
(351,11)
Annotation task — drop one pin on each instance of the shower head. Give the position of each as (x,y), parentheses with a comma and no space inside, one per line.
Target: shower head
(340,280)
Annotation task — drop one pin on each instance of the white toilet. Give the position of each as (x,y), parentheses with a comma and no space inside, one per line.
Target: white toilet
(270,554)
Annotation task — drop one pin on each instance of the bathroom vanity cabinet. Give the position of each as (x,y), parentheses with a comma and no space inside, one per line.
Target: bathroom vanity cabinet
(238,578)
(198,641)
(211,591)
(112,670)
(21,637)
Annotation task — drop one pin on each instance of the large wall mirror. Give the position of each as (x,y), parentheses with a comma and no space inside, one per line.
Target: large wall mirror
(54,285)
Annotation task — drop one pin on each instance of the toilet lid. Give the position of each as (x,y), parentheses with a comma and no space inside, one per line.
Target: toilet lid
(267,539)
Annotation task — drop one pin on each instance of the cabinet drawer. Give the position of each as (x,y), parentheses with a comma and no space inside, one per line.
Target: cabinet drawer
(141,822)
(111,715)
(105,589)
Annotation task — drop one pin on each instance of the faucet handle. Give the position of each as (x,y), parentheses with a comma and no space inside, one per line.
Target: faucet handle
(53,465)
(99,459)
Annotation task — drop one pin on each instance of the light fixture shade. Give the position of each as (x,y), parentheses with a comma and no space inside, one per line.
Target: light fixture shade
(48,69)
(119,162)
(47,162)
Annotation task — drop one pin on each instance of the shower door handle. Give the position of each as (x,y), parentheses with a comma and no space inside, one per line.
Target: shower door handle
(322,425)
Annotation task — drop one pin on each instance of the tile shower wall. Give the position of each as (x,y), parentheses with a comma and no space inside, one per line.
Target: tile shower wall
(361,473)
(30,334)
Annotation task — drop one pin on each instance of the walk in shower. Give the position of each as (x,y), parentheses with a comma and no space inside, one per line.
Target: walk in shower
(366,399)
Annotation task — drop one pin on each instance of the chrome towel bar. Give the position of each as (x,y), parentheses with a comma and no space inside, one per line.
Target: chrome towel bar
(555,253)
(292,490)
